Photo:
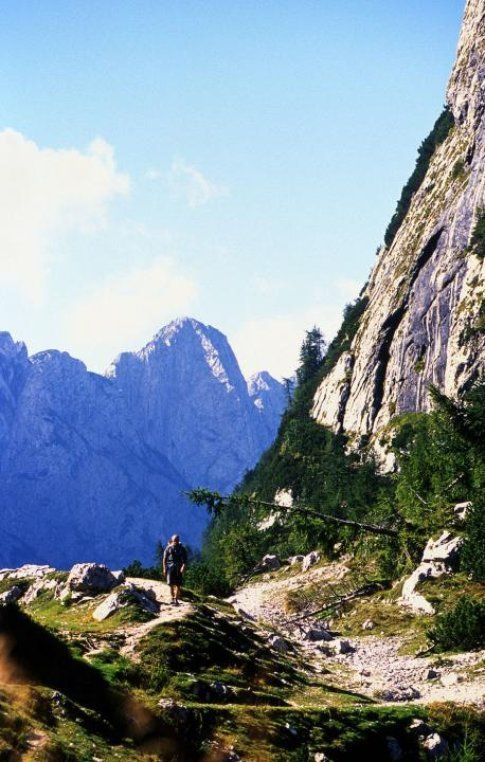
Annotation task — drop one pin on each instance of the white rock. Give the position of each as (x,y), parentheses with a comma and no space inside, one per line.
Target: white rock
(270,562)
(368,624)
(126,595)
(37,571)
(12,595)
(284,497)
(435,745)
(91,578)
(460,511)
(37,588)
(269,521)
(293,560)
(310,559)
(444,549)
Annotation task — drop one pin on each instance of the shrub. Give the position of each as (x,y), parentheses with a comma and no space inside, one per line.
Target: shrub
(438,134)
(473,555)
(477,241)
(462,628)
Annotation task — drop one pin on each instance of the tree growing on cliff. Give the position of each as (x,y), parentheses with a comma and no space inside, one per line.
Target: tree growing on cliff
(312,353)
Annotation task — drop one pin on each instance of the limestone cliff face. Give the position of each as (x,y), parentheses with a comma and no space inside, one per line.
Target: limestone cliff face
(425,316)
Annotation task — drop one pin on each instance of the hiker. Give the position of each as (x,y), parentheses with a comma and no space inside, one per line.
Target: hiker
(174,563)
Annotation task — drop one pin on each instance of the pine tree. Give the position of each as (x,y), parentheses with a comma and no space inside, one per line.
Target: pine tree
(312,353)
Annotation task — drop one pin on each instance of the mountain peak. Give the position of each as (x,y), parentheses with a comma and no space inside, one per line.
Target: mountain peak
(10,347)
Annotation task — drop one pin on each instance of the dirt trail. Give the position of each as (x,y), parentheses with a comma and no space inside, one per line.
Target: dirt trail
(375,668)
(168,613)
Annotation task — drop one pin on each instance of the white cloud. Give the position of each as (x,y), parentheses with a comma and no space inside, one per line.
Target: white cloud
(126,310)
(188,183)
(273,343)
(45,192)
(266,286)
(153,174)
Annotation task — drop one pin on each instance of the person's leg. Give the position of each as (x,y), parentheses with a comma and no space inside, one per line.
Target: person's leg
(177,592)
(173,592)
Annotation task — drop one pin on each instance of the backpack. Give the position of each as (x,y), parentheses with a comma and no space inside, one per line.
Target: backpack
(176,554)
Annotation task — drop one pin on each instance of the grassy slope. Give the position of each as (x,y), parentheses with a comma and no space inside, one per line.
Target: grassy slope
(275,709)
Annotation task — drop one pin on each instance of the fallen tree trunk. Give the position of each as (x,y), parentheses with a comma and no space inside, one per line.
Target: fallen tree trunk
(371,587)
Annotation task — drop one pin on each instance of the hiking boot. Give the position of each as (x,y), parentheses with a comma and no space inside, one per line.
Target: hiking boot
(176,602)
(173,602)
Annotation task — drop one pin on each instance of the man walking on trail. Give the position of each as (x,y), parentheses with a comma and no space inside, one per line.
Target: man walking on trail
(174,563)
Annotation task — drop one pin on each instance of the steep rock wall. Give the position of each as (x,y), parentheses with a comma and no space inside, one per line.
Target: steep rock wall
(424,320)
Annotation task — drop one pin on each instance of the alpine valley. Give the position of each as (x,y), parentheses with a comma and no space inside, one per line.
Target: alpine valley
(335,609)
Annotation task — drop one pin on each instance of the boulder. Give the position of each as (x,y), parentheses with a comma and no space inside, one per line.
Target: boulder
(317,633)
(439,556)
(419,728)
(294,560)
(38,587)
(91,578)
(12,595)
(310,559)
(400,693)
(270,563)
(27,571)
(460,511)
(445,549)
(435,746)
(127,595)
(279,644)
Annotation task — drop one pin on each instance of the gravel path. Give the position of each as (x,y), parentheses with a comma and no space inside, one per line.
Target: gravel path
(374,668)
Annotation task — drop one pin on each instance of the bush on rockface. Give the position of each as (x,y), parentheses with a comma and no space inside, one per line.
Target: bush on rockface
(462,628)
(438,134)
(473,553)
(477,242)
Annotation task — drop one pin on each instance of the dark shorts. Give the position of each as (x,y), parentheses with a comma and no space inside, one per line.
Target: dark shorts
(174,575)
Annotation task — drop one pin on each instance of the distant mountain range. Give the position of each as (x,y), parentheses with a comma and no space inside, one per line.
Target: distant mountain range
(94,467)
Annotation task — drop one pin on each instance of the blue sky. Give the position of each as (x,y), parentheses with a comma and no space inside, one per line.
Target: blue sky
(235,160)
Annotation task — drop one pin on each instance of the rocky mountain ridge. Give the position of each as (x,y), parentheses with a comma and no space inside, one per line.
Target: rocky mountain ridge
(424,321)
(94,466)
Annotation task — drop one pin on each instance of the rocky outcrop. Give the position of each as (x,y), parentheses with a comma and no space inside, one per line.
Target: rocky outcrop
(268,397)
(128,595)
(96,467)
(424,320)
(91,578)
(439,557)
